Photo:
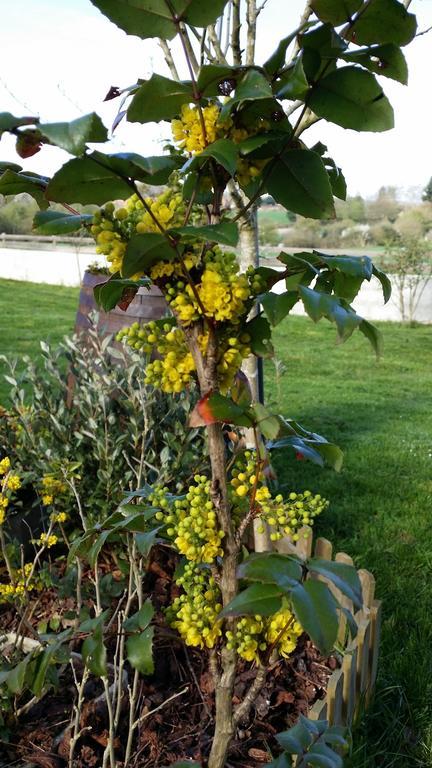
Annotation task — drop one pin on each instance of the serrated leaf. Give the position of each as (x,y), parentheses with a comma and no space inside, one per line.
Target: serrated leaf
(224,151)
(159,99)
(343,576)
(373,335)
(318,304)
(211,75)
(144,250)
(154,170)
(300,183)
(83,180)
(58,223)
(277,59)
(293,83)
(322,756)
(240,390)
(146,540)
(271,568)
(278,305)
(262,599)
(109,293)
(16,676)
(385,283)
(352,98)
(139,651)
(73,137)
(315,609)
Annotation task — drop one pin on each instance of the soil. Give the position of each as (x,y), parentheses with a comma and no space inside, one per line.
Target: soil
(176,704)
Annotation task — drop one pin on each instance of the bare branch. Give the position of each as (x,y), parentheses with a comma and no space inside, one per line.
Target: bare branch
(235,33)
(219,54)
(251,17)
(169,59)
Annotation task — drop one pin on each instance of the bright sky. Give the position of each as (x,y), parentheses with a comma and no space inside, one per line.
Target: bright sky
(58,59)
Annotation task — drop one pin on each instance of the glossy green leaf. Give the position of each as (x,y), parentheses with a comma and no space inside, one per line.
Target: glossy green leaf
(240,390)
(264,599)
(212,76)
(154,170)
(12,183)
(146,540)
(384,21)
(253,86)
(343,576)
(300,183)
(43,661)
(16,677)
(214,408)
(347,286)
(386,60)
(315,609)
(318,451)
(318,304)
(83,180)
(352,98)
(58,223)
(271,568)
(338,182)
(141,619)
(357,266)
(321,756)
(94,551)
(5,165)
(277,60)
(260,333)
(9,122)
(335,11)
(139,651)
(153,18)
(293,83)
(109,293)
(278,305)
(226,232)
(145,250)
(267,423)
(94,652)
(297,740)
(385,282)
(73,137)
(373,335)
(224,151)
(159,99)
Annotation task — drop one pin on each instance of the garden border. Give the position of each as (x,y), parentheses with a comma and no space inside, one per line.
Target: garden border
(351,686)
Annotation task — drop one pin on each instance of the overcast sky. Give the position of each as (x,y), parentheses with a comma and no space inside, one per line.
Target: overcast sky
(58,59)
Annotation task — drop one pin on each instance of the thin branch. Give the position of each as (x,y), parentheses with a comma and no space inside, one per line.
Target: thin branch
(188,46)
(219,54)
(156,709)
(251,17)
(235,33)
(168,58)
(244,708)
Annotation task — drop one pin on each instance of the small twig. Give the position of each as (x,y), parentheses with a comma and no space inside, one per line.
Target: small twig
(243,709)
(156,709)
(169,58)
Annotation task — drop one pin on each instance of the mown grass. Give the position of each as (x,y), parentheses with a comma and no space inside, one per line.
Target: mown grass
(381,503)
(30,313)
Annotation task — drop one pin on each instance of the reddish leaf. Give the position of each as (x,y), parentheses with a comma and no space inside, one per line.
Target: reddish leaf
(214,408)
(28,143)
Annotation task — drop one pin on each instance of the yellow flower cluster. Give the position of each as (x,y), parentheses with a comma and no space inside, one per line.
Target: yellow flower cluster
(9,484)
(112,229)
(188,134)
(188,130)
(257,633)
(174,370)
(284,516)
(194,614)
(192,522)
(51,489)
(20,584)
(58,517)
(47,541)
(222,291)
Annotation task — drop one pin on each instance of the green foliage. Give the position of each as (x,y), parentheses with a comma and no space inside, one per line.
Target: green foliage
(73,137)
(301,184)
(314,743)
(158,99)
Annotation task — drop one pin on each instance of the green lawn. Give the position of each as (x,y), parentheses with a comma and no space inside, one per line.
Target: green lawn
(30,313)
(381,503)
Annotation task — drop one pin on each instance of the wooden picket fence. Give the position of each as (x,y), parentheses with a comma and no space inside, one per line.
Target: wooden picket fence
(351,686)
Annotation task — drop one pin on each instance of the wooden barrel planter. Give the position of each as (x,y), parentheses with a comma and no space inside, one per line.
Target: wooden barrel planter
(352,685)
(148,304)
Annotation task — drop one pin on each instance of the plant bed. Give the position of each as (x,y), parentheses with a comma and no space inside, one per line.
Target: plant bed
(177,702)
